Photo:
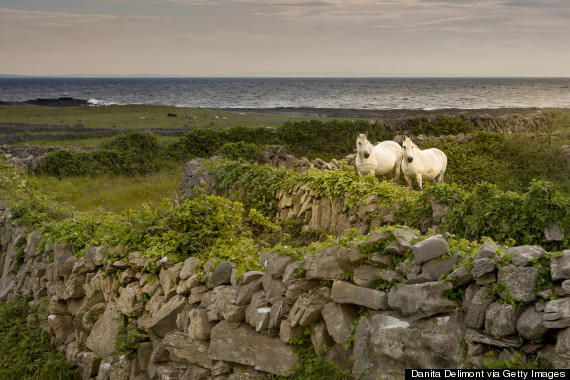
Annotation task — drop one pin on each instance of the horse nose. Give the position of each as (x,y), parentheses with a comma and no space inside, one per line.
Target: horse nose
(366,155)
(410,159)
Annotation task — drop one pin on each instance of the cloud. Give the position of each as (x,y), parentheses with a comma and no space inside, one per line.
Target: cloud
(54,19)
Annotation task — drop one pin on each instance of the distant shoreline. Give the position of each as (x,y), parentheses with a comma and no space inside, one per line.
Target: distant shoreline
(315,112)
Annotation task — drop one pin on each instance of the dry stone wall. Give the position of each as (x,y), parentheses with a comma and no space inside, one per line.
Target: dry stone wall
(211,326)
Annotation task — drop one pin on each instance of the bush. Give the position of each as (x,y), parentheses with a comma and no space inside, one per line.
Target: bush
(240,151)
(130,154)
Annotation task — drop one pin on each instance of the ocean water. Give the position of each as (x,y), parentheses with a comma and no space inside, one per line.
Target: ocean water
(358,93)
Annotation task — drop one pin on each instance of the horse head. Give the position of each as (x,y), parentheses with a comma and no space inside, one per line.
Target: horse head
(363,146)
(409,147)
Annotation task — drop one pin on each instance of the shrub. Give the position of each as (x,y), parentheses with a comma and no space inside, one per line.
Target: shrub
(240,151)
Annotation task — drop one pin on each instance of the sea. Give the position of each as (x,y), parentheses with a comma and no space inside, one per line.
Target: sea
(266,93)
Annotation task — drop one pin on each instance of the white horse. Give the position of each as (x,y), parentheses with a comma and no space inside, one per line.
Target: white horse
(380,159)
(429,164)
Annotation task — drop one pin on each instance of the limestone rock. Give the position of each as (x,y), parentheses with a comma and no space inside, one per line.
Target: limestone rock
(191,351)
(482,267)
(164,320)
(189,268)
(520,281)
(560,267)
(222,275)
(557,313)
(386,344)
(275,264)
(328,265)
(478,309)
(102,337)
(344,292)
(241,344)
(368,276)
(436,268)
(530,324)
(474,336)
(487,250)
(338,319)
(500,319)
(525,253)
(430,248)
(308,307)
(421,300)
(131,300)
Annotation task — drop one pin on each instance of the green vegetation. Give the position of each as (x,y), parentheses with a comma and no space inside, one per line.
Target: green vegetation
(137,117)
(25,352)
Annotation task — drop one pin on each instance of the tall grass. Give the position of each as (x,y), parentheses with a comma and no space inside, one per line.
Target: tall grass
(113,193)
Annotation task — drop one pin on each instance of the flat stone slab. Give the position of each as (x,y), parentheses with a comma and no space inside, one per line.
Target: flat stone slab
(239,343)
(345,292)
(102,337)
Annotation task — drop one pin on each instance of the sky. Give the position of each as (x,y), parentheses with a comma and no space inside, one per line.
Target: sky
(528,38)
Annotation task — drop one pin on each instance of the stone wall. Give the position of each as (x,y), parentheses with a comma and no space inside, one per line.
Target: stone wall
(210,326)
(529,121)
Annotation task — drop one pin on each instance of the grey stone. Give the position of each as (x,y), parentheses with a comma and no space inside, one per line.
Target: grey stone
(530,324)
(474,336)
(560,267)
(102,337)
(258,312)
(562,349)
(74,287)
(169,277)
(131,299)
(296,288)
(288,333)
(63,260)
(275,264)
(274,288)
(328,265)
(566,286)
(247,291)
(404,238)
(482,267)
(32,244)
(525,253)
(553,232)
(478,309)
(500,319)
(192,351)
(250,276)
(185,286)
(378,236)
(320,338)
(89,363)
(224,303)
(557,313)
(221,275)
(164,320)
(189,267)
(368,276)
(93,258)
(265,353)
(338,319)
(460,276)
(344,292)
(386,344)
(421,300)
(436,268)
(62,327)
(519,281)
(487,250)
(430,248)
(308,307)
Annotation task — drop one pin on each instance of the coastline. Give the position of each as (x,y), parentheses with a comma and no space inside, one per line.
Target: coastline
(387,114)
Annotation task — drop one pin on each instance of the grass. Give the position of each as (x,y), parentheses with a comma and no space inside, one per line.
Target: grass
(133,116)
(114,194)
